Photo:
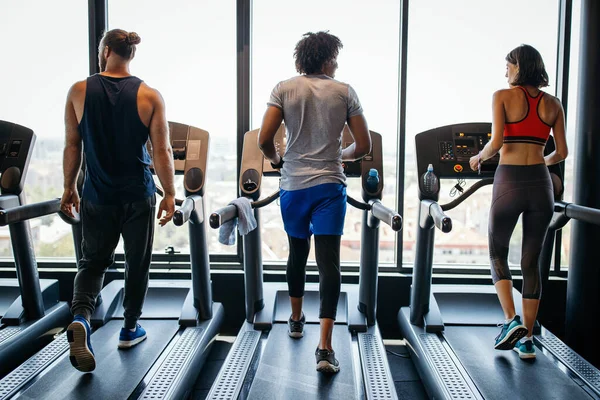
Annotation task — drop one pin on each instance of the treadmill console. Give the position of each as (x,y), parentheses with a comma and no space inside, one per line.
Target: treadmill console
(255,165)
(190,154)
(449,149)
(16,146)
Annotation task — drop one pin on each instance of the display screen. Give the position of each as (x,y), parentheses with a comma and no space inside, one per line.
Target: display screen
(193,150)
(464,142)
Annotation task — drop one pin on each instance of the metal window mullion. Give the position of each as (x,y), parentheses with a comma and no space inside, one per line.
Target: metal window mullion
(402,63)
(97,24)
(563,53)
(244,35)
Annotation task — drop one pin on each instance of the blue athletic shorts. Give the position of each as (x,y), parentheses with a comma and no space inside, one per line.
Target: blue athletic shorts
(318,210)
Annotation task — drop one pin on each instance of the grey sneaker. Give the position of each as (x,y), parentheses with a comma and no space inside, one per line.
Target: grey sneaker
(296,328)
(326,361)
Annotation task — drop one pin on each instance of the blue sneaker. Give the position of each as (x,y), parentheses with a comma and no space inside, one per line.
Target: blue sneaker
(129,339)
(510,334)
(525,349)
(81,353)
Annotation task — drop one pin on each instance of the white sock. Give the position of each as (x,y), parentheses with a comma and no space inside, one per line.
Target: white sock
(133,329)
(526,339)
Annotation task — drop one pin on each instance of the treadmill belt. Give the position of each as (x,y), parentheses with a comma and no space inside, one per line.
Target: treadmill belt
(288,371)
(502,374)
(117,373)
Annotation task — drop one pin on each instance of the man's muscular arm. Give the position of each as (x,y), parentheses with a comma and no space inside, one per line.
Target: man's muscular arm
(162,156)
(72,152)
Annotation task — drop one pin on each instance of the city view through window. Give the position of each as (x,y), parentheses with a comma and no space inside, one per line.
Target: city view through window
(455,63)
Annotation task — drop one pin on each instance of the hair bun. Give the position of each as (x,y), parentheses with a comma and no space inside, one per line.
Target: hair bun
(133,38)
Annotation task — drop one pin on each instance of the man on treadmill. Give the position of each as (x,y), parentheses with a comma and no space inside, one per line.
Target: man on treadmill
(315,108)
(112,114)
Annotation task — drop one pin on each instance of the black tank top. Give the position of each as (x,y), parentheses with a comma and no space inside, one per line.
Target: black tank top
(114,139)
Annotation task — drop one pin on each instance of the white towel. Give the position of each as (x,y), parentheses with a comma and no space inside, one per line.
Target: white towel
(245,221)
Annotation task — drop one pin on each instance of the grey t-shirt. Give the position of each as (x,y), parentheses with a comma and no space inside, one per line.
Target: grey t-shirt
(315,109)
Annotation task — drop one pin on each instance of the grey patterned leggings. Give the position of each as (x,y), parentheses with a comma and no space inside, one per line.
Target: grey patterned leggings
(520,190)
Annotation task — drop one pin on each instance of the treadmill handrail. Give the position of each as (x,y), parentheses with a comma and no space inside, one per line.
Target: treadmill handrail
(29,211)
(229,212)
(389,216)
(563,212)
(467,193)
(440,219)
(183,214)
(582,213)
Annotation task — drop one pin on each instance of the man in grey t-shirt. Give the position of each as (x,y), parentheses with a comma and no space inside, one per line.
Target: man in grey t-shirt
(314,107)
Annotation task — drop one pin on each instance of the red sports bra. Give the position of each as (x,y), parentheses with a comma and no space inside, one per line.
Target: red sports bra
(530,129)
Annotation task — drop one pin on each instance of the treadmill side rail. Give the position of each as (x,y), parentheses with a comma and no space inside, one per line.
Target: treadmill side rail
(12,383)
(31,337)
(232,375)
(377,376)
(180,369)
(437,368)
(577,364)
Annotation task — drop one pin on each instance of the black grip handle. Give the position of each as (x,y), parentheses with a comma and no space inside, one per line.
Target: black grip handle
(182,215)
(222,215)
(390,217)
(70,220)
(266,201)
(161,193)
(441,220)
(467,193)
(582,213)
(357,203)
(30,211)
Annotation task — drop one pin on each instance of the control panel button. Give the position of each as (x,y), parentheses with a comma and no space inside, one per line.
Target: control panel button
(14,149)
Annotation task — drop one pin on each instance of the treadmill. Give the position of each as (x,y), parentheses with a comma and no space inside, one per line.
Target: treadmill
(30,309)
(450,329)
(264,362)
(179,316)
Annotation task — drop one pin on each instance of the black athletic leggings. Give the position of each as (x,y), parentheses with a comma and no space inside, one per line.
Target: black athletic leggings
(527,190)
(327,252)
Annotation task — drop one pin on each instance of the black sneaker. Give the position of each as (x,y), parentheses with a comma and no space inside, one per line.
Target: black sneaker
(326,361)
(296,328)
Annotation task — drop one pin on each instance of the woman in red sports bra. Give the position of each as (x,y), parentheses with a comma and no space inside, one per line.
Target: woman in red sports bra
(523,116)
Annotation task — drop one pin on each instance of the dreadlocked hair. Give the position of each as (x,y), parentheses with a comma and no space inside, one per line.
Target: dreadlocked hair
(314,50)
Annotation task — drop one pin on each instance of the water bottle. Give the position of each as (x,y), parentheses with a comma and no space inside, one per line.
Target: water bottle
(429,184)
(372,181)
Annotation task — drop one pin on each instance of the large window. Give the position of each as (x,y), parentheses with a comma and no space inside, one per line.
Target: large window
(44,53)
(188,53)
(456,53)
(368,62)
